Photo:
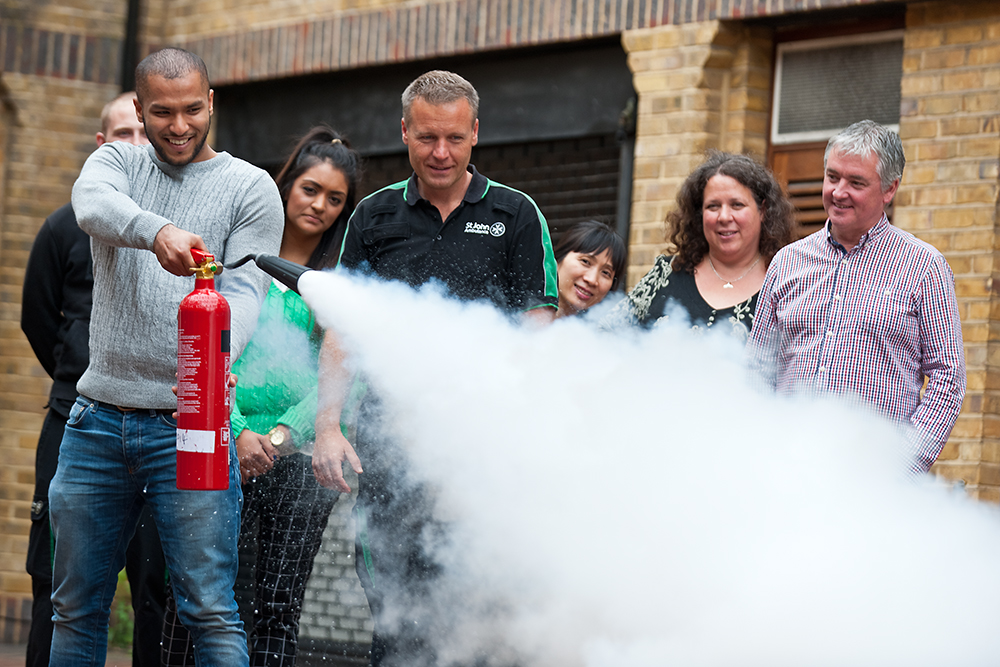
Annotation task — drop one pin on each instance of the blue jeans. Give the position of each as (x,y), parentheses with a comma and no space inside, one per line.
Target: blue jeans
(110,464)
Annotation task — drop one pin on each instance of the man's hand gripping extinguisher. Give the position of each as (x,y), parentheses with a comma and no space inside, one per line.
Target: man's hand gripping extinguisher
(203,382)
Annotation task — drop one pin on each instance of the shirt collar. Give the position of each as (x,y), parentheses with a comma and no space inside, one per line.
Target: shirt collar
(876,231)
(475,192)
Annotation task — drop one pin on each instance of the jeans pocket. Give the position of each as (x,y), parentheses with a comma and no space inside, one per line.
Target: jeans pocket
(166,419)
(77,412)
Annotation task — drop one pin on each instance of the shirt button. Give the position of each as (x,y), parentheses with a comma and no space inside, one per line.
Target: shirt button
(829,333)
(836,297)
(822,369)
(843,261)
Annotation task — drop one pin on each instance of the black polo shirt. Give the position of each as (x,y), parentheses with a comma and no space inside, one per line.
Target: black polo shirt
(494,246)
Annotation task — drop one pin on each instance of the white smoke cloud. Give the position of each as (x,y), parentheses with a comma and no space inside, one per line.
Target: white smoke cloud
(632,501)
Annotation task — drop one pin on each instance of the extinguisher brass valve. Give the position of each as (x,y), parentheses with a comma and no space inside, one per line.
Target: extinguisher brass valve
(207,266)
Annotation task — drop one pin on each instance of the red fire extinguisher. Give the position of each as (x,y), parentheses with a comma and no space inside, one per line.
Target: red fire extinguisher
(203,382)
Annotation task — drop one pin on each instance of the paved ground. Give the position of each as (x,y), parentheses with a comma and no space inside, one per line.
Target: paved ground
(12,655)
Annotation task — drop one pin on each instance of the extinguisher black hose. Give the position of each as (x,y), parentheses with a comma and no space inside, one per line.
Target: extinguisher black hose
(280,269)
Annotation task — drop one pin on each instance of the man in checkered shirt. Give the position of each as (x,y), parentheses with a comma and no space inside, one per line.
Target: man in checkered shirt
(863,308)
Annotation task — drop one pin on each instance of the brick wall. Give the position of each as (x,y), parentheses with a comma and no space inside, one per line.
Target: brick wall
(950,127)
(58,65)
(91,17)
(335,608)
(700,86)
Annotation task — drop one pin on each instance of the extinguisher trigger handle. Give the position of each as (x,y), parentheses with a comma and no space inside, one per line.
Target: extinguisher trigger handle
(201,256)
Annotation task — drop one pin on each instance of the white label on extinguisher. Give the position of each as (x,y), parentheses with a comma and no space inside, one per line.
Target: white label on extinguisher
(189,440)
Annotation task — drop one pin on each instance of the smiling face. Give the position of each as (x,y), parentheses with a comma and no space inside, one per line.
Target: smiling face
(853,196)
(730,220)
(584,280)
(177,114)
(439,139)
(315,201)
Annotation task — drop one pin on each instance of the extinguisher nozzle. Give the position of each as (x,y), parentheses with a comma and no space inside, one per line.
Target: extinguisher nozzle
(280,269)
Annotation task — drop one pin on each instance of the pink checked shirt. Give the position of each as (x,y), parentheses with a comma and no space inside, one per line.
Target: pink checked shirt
(872,322)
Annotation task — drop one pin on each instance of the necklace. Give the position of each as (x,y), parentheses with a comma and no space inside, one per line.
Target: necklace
(729,283)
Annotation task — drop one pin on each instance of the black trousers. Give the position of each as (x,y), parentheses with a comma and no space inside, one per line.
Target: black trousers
(398,578)
(144,564)
(396,533)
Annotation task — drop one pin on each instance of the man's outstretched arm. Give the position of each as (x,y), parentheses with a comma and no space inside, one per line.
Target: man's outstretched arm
(332,448)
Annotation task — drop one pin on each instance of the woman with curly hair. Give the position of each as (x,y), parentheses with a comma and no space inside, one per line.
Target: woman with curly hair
(730,220)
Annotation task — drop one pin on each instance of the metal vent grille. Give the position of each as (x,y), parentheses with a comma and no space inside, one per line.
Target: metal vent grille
(822,86)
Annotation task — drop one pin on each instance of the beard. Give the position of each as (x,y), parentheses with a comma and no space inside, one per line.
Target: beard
(165,155)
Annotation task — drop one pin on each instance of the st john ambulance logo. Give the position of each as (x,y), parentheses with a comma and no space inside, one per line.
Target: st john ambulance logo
(497,229)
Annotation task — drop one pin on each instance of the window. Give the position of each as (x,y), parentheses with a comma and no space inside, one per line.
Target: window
(824,85)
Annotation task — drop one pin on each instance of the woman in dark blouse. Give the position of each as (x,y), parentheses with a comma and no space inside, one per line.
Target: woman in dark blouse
(730,220)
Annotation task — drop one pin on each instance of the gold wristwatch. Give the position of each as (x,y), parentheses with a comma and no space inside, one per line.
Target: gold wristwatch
(276,436)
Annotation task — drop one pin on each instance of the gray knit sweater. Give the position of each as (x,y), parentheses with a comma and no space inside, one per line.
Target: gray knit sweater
(123,197)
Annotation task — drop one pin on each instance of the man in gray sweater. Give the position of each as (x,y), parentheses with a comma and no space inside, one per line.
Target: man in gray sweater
(145,208)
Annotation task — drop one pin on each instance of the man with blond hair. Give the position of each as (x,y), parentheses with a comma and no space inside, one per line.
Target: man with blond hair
(482,241)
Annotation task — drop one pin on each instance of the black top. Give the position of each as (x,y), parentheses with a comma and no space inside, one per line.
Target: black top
(56,301)
(494,246)
(647,304)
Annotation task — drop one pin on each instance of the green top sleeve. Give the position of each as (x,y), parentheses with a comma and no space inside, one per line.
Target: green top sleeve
(237,422)
(301,418)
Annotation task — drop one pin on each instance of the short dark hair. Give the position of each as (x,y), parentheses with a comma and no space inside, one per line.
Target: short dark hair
(684,224)
(323,144)
(170,63)
(592,237)
(439,87)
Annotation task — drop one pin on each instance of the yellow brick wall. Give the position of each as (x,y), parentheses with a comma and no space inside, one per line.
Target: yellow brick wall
(94,17)
(700,86)
(179,20)
(950,126)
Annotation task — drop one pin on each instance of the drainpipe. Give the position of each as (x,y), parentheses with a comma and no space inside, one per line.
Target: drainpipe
(130,46)
(626,142)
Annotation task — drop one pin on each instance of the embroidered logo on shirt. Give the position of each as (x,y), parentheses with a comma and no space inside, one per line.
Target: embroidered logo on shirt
(476,228)
(496,229)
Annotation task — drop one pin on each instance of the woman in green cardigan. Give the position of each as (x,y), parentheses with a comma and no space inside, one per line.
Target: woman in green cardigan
(285,510)
(274,411)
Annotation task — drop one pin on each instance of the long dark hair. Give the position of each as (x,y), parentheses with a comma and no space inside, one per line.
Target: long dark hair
(323,144)
(592,237)
(684,224)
